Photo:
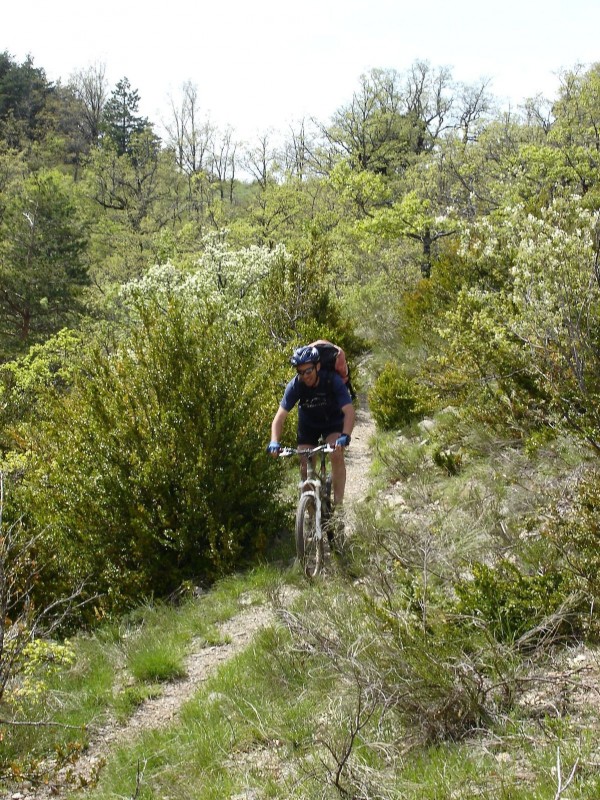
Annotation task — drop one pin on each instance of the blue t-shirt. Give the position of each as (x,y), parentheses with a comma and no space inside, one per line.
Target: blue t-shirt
(318,405)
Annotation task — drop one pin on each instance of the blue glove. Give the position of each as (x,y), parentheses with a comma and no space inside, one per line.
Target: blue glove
(343,440)
(273,447)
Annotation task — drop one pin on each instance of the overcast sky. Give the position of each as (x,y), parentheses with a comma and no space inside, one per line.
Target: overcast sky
(260,64)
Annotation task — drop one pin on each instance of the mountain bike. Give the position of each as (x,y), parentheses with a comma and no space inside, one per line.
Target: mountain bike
(314,507)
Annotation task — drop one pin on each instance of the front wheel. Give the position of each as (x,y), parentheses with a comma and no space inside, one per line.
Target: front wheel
(327,498)
(327,511)
(309,546)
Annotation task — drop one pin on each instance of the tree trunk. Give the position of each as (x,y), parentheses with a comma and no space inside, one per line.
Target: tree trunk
(426,259)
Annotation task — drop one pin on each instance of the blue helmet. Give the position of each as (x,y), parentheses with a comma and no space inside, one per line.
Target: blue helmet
(305,355)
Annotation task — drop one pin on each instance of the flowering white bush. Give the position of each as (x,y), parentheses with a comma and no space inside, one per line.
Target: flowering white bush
(530,319)
(223,279)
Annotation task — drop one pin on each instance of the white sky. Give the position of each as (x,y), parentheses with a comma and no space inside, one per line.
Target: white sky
(265,64)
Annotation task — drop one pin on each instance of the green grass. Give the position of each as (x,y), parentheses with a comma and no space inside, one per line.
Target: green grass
(241,729)
(268,721)
(119,666)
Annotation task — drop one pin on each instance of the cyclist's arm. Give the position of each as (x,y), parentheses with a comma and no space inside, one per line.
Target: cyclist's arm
(277,424)
(349,416)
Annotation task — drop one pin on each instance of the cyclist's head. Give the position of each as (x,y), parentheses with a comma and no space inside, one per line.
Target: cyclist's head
(305,355)
(306,360)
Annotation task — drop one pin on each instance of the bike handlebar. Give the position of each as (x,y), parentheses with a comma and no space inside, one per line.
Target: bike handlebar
(293,451)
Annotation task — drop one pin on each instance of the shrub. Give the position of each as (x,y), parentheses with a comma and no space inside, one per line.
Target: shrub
(573,530)
(152,470)
(395,399)
(433,681)
(448,460)
(510,602)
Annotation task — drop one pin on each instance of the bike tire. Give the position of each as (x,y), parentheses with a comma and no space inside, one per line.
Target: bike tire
(327,501)
(309,547)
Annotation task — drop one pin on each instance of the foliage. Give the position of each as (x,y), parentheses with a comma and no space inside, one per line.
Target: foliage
(509,601)
(43,240)
(396,399)
(573,530)
(448,459)
(522,338)
(412,217)
(120,120)
(297,301)
(39,661)
(154,462)
(465,248)
(233,279)
(27,652)
(384,127)
(575,132)
(136,196)
(24,92)
(26,384)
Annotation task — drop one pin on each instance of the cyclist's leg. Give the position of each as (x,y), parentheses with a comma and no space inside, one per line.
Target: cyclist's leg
(338,470)
(307,439)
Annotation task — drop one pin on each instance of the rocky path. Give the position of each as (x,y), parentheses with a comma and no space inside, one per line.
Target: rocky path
(358,460)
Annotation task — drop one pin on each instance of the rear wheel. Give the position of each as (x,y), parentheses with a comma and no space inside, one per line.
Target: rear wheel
(309,546)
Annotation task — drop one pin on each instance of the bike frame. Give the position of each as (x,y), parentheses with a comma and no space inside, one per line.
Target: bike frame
(314,482)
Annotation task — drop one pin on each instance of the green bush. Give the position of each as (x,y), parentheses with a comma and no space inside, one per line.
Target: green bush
(395,399)
(573,530)
(152,469)
(433,679)
(448,460)
(510,602)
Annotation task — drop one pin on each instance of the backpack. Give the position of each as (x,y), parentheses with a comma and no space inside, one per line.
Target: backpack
(333,358)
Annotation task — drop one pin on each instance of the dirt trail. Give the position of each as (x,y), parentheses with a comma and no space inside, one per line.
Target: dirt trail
(358,458)
(237,634)
(159,711)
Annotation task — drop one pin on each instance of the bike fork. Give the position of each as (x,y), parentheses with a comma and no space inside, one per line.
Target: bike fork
(318,507)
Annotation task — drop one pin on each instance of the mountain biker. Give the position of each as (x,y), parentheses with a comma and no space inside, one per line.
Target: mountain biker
(324,409)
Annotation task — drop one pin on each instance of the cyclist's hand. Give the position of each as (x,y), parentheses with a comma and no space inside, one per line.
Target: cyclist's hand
(273,448)
(343,440)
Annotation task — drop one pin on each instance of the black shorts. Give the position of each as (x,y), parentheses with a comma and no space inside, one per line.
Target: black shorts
(309,434)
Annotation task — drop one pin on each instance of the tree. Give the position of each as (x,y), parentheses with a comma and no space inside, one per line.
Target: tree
(413,218)
(189,137)
(43,242)
(474,105)
(576,129)
(376,131)
(90,88)
(297,151)
(120,120)
(24,90)
(223,163)
(524,334)
(205,155)
(138,194)
(270,208)
(429,98)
